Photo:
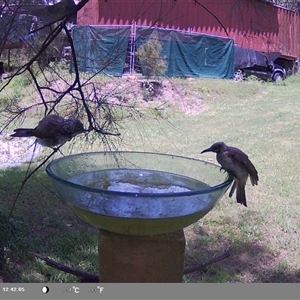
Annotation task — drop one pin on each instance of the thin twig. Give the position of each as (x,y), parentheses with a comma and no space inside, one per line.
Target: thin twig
(26,179)
(58,266)
(95,278)
(211,13)
(211,261)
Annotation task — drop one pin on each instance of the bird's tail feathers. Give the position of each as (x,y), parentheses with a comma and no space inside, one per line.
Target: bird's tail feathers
(23,132)
(241,194)
(232,189)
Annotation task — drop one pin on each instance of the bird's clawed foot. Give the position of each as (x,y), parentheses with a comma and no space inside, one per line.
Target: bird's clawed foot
(222,169)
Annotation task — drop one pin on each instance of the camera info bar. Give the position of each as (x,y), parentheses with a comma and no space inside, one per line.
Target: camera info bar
(149,291)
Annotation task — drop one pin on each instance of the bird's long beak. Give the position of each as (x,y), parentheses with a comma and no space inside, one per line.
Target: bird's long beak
(206,150)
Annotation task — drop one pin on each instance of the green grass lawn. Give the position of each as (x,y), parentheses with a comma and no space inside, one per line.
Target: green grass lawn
(262,119)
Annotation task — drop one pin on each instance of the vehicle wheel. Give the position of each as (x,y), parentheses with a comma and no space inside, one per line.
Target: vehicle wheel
(277,77)
(238,75)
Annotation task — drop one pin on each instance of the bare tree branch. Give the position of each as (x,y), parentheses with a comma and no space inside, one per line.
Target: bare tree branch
(95,278)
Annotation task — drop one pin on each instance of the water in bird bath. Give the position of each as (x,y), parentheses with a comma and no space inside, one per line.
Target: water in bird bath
(138,193)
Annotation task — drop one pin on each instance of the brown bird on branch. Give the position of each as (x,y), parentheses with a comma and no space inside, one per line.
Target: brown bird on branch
(238,165)
(52,131)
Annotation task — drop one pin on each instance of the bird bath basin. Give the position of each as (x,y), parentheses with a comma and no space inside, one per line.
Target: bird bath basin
(140,202)
(138,193)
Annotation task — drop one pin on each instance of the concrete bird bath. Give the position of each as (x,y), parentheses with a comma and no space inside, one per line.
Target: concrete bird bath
(140,202)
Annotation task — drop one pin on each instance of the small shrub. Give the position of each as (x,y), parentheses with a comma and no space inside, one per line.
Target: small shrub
(151,59)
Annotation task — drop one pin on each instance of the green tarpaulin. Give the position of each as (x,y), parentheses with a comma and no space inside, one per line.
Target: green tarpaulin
(101,49)
(104,50)
(14,27)
(191,55)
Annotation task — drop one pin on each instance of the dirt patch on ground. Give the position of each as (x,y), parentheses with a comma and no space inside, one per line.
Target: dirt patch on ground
(150,92)
(16,151)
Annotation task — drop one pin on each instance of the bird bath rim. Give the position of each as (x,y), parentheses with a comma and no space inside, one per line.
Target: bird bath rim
(217,187)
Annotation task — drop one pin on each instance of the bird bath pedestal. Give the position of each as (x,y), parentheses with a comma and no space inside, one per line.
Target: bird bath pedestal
(133,258)
(140,202)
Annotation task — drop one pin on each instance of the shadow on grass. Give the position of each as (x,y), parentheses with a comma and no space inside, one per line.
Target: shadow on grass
(250,260)
(43,224)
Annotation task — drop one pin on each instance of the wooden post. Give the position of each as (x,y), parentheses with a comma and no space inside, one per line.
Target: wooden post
(130,258)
